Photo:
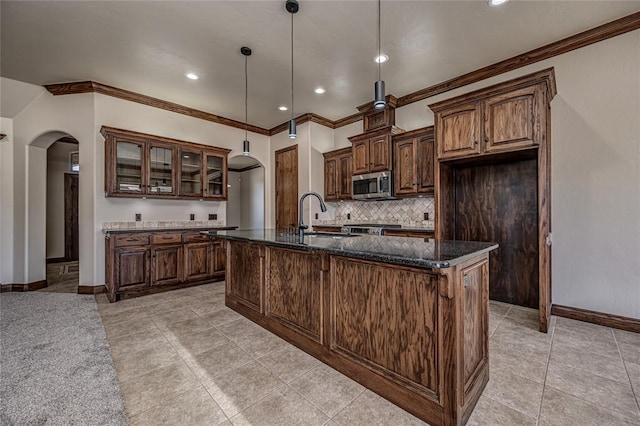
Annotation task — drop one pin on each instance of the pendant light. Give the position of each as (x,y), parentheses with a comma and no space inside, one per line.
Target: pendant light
(245,144)
(379,100)
(292,7)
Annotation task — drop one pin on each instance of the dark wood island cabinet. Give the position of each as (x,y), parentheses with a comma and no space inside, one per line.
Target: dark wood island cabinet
(405,317)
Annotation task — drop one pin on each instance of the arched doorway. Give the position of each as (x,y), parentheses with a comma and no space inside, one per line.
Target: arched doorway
(245,193)
(53,204)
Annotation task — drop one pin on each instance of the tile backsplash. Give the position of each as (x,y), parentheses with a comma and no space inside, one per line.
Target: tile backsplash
(160,224)
(408,212)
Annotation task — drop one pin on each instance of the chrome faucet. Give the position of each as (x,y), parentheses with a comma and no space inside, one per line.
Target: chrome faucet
(301,225)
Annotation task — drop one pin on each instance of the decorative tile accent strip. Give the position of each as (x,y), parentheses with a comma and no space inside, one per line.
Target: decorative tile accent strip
(408,212)
(161,224)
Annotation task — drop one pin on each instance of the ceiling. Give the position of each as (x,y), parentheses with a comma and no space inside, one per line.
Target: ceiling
(147,47)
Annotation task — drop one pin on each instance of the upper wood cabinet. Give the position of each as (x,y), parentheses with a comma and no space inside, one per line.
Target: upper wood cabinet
(372,150)
(500,122)
(142,165)
(337,174)
(413,162)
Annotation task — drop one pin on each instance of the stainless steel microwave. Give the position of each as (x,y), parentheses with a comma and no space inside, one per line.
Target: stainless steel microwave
(372,186)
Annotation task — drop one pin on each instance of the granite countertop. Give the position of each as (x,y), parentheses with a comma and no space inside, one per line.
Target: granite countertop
(400,250)
(168,229)
(402,227)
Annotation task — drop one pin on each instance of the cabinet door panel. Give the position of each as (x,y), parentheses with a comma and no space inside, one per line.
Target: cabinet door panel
(330,178)
(245,275)
(510,120)
(197,261)
(131,267)
(293,297)
(361,157)
(191,173)
(215,176)
(476,301)
(129,167)
(425,160)
(404,168)
(344,177)
(459,131)
(379,152)
(219,257)
(167,264)
(161,169)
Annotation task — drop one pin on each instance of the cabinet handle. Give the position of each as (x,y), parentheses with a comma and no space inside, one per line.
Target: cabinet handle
(132,239)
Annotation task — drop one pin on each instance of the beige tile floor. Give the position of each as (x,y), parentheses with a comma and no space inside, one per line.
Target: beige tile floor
(183,358)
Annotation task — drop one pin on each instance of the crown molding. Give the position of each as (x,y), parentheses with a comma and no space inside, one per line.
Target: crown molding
(577,41)
(95,87)
(585,38)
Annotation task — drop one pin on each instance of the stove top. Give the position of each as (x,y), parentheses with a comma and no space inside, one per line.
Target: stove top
(374,225)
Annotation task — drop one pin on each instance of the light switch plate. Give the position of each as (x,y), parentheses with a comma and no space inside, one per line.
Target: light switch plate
(213,216)
(138,217)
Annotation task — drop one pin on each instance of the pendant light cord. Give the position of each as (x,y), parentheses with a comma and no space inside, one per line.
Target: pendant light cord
(379,59)
(246,97)
(292,66)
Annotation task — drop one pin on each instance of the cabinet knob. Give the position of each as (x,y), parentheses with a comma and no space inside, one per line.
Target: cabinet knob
(486,139)
(475,142)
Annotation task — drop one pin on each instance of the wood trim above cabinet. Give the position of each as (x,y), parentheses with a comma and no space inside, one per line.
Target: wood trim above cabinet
(600,318)
(127,95)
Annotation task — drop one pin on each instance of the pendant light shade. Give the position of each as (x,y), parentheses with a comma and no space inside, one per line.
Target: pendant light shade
(379,98)
(245,144)
(292,7)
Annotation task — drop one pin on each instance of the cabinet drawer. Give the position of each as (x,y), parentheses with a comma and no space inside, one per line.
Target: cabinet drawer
(166,238)
(131,240)
(195,238)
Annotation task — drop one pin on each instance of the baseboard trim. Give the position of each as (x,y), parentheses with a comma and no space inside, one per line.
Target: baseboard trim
(600,318)
(91,289)
(36,285)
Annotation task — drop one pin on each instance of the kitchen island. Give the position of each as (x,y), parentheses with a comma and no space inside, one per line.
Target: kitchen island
(405,317)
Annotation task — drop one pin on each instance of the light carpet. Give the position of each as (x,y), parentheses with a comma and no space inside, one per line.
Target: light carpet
(55,364)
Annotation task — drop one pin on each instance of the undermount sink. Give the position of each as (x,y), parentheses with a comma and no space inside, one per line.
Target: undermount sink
(335,235)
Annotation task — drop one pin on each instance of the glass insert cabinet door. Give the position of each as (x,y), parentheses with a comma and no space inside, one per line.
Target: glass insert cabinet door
(128,167)
(161,168)
(190,173)
(215,176)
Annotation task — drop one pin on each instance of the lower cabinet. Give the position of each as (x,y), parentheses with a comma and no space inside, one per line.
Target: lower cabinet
(198,261)
(132,267)
(143,263)
(167,264)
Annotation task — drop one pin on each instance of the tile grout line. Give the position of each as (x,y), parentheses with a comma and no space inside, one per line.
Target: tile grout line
(546,372)
(636,396)
(501,320)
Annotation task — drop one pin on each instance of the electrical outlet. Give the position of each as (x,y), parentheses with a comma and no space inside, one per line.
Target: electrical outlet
(138,217)
(426,216)
(213,216)
(348,216)
(316,216)
(192,216)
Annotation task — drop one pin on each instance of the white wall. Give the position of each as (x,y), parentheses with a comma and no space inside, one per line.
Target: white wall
(252,199)
(6,202)
(57,166)
(595,172)
(234,199)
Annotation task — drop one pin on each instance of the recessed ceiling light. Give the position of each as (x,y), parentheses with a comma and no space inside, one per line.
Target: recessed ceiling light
(381,59)
(319,90)
(282,108)
(496,2)
(191,76)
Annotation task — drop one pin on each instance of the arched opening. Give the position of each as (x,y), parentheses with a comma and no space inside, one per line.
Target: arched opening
(53,205)
(245,193)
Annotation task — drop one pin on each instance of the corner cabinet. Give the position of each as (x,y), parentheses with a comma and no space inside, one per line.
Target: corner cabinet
(337,174)
(372,150)
(413,162)
(140,165)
